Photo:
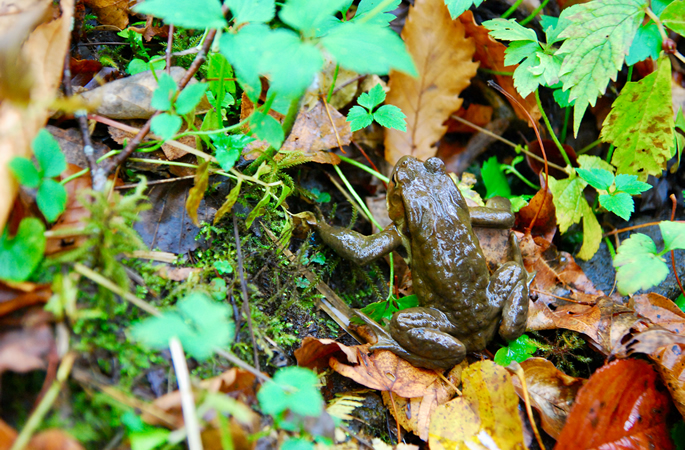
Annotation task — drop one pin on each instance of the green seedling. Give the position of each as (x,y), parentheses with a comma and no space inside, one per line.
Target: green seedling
(164,99)
(615,192)
(518,350)
(388,116)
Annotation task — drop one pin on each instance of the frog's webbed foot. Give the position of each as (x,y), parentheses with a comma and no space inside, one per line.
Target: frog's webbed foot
(383,338)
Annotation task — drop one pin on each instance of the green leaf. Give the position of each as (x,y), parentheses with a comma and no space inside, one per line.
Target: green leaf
(619,203)
(366,48)
(297,444)
(25,172)
(198,322)
(308,15)
(658,6)
(138,65)
(592,232)
(680,301)
(495,182)
(242,50)
(252,10)
(509,30)
(594,162)
(148,439)
(383,311)
(294,389)
(267,129)
(641,126)
(553,27)
(373,98)
(51,199)
(457,7)
(217,63)
(518,350)
(50,158)
(223,267)
(391,116)
(190,97)
(673,234)
(198,14)
(647,43)
(166,125)
(674,17)
(359,118)
(597,178)
(20,255)
(229,147)
(630,184)
(569,200)
(382,18)
(517,51)
(637,265)
(598,38)
(166,88)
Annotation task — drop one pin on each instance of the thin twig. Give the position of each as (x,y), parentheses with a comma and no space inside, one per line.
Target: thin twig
(243,286)
(635,227)
(187,401)
(169,43)
(518,370)
(675,270)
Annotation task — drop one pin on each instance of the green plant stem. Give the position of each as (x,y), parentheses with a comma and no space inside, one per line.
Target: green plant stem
(662,31)
(74,176)
(378,9)
(589,147)
(210,132)
(564,129)
(45,404)
(551,131)
(358,199)
(511,169)
(365,168)
(335,78)
(610,153)
(511,10)
(610,246)
(630,73)
(495,72)
(534,13)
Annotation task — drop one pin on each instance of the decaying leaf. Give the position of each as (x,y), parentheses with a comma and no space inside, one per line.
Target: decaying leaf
(620,405)
(74,216)
(170,151)
(442,55)
(110,12)
(25,349)
(486,416)
(551,392)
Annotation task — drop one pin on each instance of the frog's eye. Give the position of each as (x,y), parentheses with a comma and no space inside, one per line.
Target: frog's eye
(434,165)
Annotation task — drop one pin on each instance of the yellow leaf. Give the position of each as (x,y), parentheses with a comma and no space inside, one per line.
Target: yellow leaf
(442,56)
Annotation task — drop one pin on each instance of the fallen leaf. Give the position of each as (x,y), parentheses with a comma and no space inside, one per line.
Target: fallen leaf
(660,310)
(486,416)
(314,353)
(52,439)
(621,406)
(13,299)
(490,54)
(25,349)
(670,361)
(442,56)
(480,115)
(545,220)
(346,83)
(551,392)
(385,371)
(110,12)
(43,53)
(75,214)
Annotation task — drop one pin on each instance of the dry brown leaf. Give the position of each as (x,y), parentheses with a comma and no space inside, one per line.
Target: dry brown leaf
(385,371)
(551,392)
(486,416)
(660,310)
(490,54)
(480,115)
(25,349)
(110,12)
(443,58)
(52,439)
(314,353)
(43,53)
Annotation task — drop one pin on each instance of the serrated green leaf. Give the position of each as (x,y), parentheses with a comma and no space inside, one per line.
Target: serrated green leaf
(597,178)
(553,27)
(51,199)
(637,265)
(457,7)
(281,48)
(229,147)
(359,118)
(198,14)
(373,98)
(561,97)
(308,15)
(598,38)
(242,50)
(20,255)
(190,97)
(294,389)
(592,232)
(367,48)
(50,158)
(619,203)
(391,116)
(641,126)
(569,200)
(166,125)
(630,184)
(198,322)
(539,69)
(252,10)
(382,18)
(166,88)
(218,64)
(495,182)
(267,129)
(594,162)
(509,30)
(25,172)
(647,43)
(673,234)
(518,350)
(520,50)
(674,16)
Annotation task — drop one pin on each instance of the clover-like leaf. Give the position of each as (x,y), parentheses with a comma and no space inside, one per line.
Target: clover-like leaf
(166,125)
(619,203)
(190,97)
(166,88)
(359,118)
(373,98)
(48,154)
(51,199)
(637,265)
(294,389)
(518,350)
(21,254)
(25,172)
(390,116)
(673,234)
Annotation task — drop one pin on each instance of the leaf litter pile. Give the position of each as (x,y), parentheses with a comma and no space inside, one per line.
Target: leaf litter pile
(165,167)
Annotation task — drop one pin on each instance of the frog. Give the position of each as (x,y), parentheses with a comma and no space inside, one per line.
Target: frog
(461,305)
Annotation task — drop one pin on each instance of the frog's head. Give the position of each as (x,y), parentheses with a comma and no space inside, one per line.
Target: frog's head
(411,180)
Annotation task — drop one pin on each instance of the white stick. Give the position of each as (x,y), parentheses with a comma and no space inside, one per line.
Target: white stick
(187,401)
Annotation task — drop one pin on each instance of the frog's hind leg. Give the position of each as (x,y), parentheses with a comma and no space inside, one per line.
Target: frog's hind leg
(425,340)
(508,290)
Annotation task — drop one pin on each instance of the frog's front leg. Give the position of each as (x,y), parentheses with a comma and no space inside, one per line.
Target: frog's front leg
(355,246)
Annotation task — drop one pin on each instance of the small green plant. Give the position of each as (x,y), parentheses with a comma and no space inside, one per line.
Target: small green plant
(165,98)
(51,196)
(21,254)
(200,323)
(383,311)
(518,350)
(638,263)
(388,116)
(496,184)
(615,192)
